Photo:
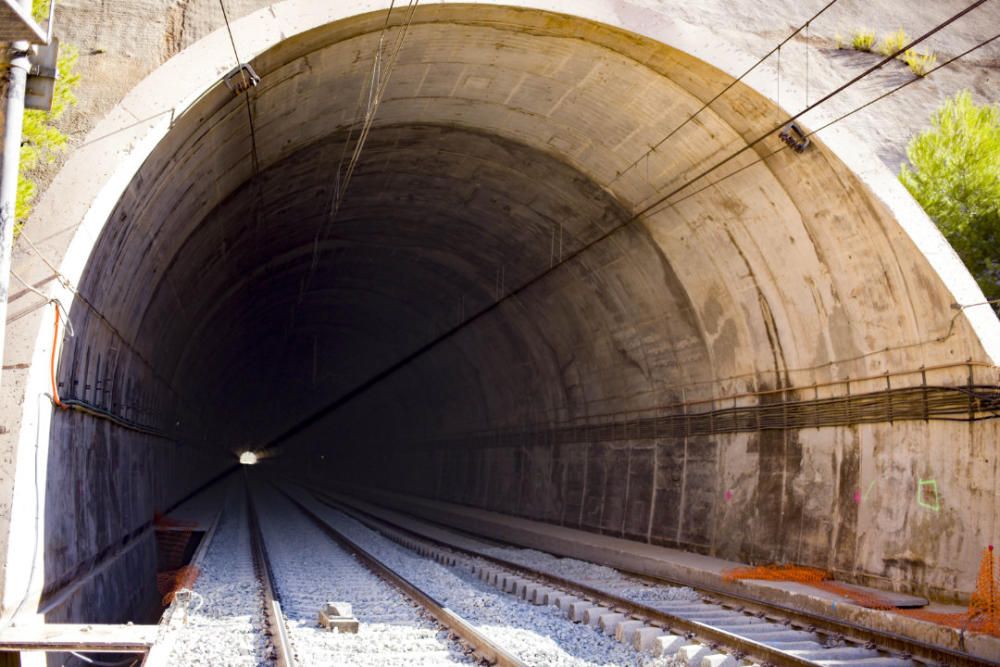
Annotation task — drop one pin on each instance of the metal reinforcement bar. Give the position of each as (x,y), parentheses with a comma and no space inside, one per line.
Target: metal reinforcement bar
(774,412)
(272,607)
(884,640)
(483,647)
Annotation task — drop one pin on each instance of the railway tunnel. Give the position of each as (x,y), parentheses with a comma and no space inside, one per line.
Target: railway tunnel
(515,303)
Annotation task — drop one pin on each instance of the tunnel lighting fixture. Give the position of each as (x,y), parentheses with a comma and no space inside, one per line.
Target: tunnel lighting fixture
(248,458)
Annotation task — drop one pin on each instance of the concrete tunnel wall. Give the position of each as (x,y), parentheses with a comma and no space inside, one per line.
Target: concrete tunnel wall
(220,308)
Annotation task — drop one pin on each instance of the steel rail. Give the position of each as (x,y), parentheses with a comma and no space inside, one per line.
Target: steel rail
(272,606)
(884,640)
(483,646)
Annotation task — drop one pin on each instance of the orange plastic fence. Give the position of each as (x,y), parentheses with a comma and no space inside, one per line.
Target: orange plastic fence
(983,614)
(163,521)
(172,545)
(804,575)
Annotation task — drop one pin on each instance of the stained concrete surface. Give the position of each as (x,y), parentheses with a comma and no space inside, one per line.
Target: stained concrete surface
(220,309)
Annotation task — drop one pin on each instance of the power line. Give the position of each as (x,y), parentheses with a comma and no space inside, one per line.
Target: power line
(350,395)
(832,122)
(247,85)
(376,90)
(706,105)
(807,109)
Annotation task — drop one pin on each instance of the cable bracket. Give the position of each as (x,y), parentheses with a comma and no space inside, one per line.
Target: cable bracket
(796,139)
(241,78)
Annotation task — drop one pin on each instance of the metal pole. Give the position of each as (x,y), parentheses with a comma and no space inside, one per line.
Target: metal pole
(13,123)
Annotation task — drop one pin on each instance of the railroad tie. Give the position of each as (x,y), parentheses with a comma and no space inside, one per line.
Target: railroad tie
(609,621)
(692,654)
(643,638)
(667,645)
(718,660)
(625,631)
(576,610)
(565,600)
(592,614)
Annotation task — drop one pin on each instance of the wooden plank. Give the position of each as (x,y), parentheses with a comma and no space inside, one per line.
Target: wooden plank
(79,637)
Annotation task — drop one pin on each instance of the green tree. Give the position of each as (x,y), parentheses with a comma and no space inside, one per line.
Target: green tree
(954,173)
(41,140)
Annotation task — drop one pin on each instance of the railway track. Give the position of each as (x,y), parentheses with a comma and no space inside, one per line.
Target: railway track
(479,646)
(420,598)
(500,629)
(715,625)
(220,619)
(275,626)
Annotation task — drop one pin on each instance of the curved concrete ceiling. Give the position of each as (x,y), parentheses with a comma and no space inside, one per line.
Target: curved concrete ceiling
(509,139)
(503,135)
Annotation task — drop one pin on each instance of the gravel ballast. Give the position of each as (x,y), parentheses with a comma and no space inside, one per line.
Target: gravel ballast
(310,569)
(538,635)
(597,576)
(227,629)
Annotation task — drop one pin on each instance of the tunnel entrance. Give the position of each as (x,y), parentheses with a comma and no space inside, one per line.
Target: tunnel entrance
(505,312)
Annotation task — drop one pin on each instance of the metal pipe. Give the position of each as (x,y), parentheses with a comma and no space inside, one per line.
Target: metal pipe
(13,123)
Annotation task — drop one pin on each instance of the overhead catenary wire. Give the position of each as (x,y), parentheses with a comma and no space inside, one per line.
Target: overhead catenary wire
(363,387)
(377,86)
(838,119)
(729,86)
(78,296)
(62,312)
(84,406)
(254,158)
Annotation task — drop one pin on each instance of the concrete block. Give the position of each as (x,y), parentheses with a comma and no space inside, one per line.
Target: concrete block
(608,622)
(592,613)
(338,616)
(718,660)
(692,654)
(643,638)
(626,629)
(540,595)
(564,600)
(667,645)
(578,610)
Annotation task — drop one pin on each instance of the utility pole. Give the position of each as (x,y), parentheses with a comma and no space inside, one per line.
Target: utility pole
(16,19)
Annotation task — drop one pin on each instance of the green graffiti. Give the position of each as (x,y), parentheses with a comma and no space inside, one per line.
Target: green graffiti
(922,500)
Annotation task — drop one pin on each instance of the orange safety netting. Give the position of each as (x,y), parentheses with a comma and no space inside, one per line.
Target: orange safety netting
(163,521)
(983,614)
(803,575)
(171,581)
(171,546)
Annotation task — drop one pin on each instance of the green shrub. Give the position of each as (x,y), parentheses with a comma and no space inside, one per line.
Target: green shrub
(863,40)
(41,141)
(919,63)
(955,175)
(893,42)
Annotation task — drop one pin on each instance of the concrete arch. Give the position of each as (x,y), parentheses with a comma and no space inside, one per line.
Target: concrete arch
(504,129)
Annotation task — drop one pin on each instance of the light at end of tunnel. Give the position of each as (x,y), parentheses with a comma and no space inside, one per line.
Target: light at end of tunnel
(248,458)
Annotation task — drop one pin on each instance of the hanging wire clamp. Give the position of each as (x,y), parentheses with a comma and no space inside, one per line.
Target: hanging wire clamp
(241,79)
(796,139)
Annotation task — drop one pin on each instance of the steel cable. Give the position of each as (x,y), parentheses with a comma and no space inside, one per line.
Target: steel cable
(361,388)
